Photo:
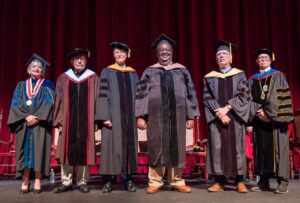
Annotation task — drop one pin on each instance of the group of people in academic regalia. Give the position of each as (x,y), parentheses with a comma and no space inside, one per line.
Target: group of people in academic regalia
(262,103)
(164,103)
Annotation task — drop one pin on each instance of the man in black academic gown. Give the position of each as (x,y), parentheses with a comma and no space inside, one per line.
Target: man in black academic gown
(116,111)
(226,99)
(74,116)
(166,104)
(271,111)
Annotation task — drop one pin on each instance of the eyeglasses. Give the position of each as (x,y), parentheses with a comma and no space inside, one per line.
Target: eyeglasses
(77,58)
(263,57)
(119,52)
(164,51)
(225,53)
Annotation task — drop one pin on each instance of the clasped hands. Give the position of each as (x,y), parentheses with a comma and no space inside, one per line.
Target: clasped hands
(221,114)
(261,114)
(107,123)
(31,120)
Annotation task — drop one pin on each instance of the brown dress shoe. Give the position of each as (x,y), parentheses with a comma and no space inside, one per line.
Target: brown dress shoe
(152,189)
(215,188)
(241,188)
(182,188)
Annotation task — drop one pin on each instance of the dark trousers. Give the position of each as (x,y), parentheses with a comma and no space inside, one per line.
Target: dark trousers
(112,178)
(222,180)
(264,180)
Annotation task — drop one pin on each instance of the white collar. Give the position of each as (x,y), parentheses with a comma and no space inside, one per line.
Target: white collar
(225,69)
(70,73)
(265,70)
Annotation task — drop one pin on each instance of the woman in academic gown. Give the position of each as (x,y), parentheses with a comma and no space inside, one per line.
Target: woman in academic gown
(30,118)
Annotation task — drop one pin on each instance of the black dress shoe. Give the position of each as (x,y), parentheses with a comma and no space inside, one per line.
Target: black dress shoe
(83,188)
(130,187)
(107,188)
(24,191)
(37,191)
(63,188)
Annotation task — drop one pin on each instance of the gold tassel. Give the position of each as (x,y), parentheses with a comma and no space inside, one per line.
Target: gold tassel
(129,53)
(230,53)
(273,56)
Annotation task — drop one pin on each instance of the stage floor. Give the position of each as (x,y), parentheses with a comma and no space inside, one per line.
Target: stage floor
(9,193)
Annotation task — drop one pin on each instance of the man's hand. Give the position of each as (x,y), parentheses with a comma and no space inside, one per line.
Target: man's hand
(96,127)
(261,114)
(59,129)
(225,120)
(220,112)
(31,120)
(141,123)
(107,123)
(249,129)
(189,124)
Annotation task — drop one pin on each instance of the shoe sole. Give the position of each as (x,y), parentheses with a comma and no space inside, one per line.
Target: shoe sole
(278,192)
(23,192)
(62,191)
(221,190)
(37,191)
(152,192)
(261,190)
(182,191)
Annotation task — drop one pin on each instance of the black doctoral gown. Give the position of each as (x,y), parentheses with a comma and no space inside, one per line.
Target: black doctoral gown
(226,143)
(75,112)
(116,102)
(270,140)
(166,98)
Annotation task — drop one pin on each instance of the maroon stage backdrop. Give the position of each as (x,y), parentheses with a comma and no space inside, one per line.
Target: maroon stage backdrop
(53,27)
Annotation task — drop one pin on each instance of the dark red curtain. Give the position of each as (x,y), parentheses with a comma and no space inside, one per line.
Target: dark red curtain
(53,27)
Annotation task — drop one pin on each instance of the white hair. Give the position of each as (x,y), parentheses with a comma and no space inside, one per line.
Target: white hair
(32,63)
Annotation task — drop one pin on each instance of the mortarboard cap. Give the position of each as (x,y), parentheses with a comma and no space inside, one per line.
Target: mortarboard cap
(265,51)
(163,37)
(224,45)
(78,51)
(122,46)
(38,58)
